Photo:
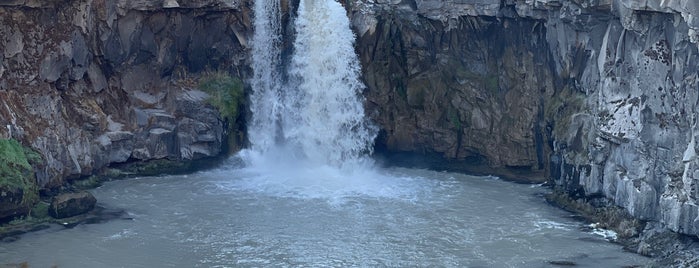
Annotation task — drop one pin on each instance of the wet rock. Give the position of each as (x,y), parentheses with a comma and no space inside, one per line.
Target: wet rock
(71,204)
(562,263)
(465,101)
(70,75)
(200,130)
(11,204)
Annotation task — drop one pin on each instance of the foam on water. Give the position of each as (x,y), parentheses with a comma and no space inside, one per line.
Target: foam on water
(302,179)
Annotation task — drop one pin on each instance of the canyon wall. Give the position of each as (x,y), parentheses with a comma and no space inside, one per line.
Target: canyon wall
(91,83)
(600,94)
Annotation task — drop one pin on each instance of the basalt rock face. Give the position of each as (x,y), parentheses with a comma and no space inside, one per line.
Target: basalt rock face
(91,83)
(602,94)
(465,90)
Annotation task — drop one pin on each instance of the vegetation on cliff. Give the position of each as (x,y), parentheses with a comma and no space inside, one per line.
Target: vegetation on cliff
(227,96)
(18,188)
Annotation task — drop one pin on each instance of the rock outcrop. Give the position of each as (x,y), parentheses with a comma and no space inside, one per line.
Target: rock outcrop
(71,204)
(92,83)
(465,92)
(600,93)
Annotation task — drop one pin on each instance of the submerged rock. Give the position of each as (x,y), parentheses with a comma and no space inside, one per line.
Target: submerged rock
(71,204)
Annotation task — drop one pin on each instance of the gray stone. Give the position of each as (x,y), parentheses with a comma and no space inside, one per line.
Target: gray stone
(71,204)
(14,44)
(170,4)
(53,65)
(97,79)
(81,55)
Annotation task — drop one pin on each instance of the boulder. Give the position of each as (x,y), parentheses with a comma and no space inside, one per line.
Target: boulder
(71,204)
(11,204)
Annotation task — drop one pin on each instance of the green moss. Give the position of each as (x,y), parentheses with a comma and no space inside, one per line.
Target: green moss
(227,96)
(489,81)
(12,160)
(226,93)
(561,108)
(40,211)
(156,167)
(16,171)
(88,183)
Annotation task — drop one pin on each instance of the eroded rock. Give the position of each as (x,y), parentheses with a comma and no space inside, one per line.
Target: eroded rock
(71,204)
(89,84)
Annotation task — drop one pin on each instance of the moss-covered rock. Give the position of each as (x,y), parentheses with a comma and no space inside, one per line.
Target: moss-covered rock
(71,204)
(227,95)
(149,168)
(18,189)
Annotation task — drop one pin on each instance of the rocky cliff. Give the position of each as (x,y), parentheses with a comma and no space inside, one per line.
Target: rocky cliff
(92,83)
(466,89)
(601,94)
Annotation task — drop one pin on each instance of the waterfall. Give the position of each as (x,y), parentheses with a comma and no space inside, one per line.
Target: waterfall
(317,114)
(265,99)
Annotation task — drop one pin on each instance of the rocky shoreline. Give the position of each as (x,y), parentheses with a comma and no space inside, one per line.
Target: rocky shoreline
(72,204)
(650,239)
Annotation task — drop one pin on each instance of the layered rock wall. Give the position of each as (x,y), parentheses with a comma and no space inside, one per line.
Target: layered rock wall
(604,93)
(465,92)
(90,83)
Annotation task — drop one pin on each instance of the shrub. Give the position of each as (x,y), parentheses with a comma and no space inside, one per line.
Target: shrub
(16,171)
(227,96)
(226,93)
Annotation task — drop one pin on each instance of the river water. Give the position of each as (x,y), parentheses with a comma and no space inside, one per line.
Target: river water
(393,217)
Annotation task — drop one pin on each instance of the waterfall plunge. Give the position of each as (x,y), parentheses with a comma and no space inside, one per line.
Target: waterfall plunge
(317,115)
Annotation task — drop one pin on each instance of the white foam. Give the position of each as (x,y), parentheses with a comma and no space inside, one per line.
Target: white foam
(124,234)
(301,179)
(606,234)
(547,224)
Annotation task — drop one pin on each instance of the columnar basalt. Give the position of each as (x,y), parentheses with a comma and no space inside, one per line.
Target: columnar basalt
(600,94)
(91,83)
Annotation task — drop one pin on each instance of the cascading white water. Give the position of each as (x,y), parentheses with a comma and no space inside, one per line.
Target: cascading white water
(318,114)
(265,99)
